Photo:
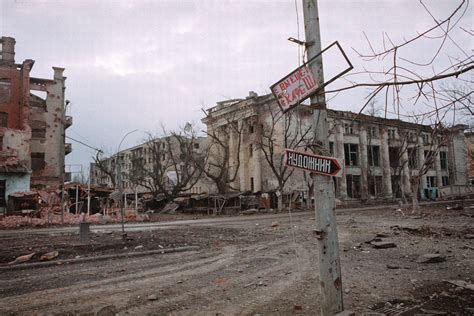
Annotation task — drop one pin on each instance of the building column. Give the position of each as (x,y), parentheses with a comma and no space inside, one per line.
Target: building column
(339,151)
(406,186)
(232,157)
(363,163)
(386,170)
(243,160)
(439,178)
(257,172)
(421,162)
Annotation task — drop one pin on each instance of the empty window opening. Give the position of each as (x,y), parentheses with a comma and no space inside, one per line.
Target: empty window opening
(3,119)
(37,161)
(394,156)
(443,159)
(350,154)
(353,186)
(373,153)
(5,90)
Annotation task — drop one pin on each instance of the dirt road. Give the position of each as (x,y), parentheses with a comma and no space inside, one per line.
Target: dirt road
(249,266)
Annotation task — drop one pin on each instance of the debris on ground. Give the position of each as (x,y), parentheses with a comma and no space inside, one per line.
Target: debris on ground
(22,259)
(275,224)
(49,256)
(383,244)
(431,258)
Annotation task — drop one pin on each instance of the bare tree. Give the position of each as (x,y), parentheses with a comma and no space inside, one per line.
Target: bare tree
(105,166)
(220,163)
(165,165)
(277,132)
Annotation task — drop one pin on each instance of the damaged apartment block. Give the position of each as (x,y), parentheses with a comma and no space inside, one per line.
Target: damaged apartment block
(32,127)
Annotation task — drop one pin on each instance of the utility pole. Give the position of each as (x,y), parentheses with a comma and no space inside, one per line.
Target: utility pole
(326,232)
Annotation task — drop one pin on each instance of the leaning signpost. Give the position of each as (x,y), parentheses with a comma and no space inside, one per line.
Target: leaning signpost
(307,81)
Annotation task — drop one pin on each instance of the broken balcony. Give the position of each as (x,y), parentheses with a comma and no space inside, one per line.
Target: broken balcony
(67,121)
(67,148)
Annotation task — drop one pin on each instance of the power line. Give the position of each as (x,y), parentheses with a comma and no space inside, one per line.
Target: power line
(84,144)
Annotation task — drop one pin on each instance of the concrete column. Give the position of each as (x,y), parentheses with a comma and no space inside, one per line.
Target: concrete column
(386,170)
(439,179)
(421,162)
(257,171)
(406,172)
(363,162)
(243,161)
(339,152)
(233,156)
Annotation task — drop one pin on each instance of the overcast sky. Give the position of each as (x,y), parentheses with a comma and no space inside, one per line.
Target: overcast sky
(139,64)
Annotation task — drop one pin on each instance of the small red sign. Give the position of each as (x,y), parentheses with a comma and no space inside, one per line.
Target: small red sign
(295,88)
(328,166)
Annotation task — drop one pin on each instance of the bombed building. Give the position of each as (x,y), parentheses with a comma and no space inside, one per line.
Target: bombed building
(32,126)
(381,157)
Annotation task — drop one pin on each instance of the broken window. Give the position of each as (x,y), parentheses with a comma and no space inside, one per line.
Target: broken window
(38,133)
(196,145)
(393,156)
(443,159)
(5,90)
(350,154)
(445,180)
(373,131)
(426,138)
(3,119)
(251,129)
(391,132)
(429,159)
(250,150)
(348,129)
(375,185)
(412,158)
(37,161)
(411,137)
(353,186)
(251,184)
(430,182)
(373,153)
(331,148)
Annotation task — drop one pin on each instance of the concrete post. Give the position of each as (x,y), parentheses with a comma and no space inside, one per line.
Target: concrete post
(386,170)
(339,151)
(363,163)
(326,228)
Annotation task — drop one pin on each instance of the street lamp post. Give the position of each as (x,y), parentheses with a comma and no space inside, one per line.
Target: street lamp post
(118,177)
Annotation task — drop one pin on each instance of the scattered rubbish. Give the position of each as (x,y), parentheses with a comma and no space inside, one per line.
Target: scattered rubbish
(152,297)
(139,247)
(432,312)
(109,310)
(275,224)
(469,236)
(456,207)
(298,307)
(381,235)
(390,266)
(251,211)
(431,258)
(383,244)
(463,284)
(49,256)
(23,258)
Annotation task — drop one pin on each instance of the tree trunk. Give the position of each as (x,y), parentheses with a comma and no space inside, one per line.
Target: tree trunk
(280,201)
(414,190)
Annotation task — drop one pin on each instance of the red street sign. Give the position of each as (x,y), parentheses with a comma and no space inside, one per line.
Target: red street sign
(294,88)
(328,166)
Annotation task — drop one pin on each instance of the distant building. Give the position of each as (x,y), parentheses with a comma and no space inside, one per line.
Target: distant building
(379,155)
(32,128)
(142,156)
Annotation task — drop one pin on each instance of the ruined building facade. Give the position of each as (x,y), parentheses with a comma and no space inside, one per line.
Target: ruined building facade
(379,155)
(144,156)
(32,128)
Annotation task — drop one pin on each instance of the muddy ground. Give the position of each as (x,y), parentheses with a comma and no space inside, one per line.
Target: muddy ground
(248,266)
